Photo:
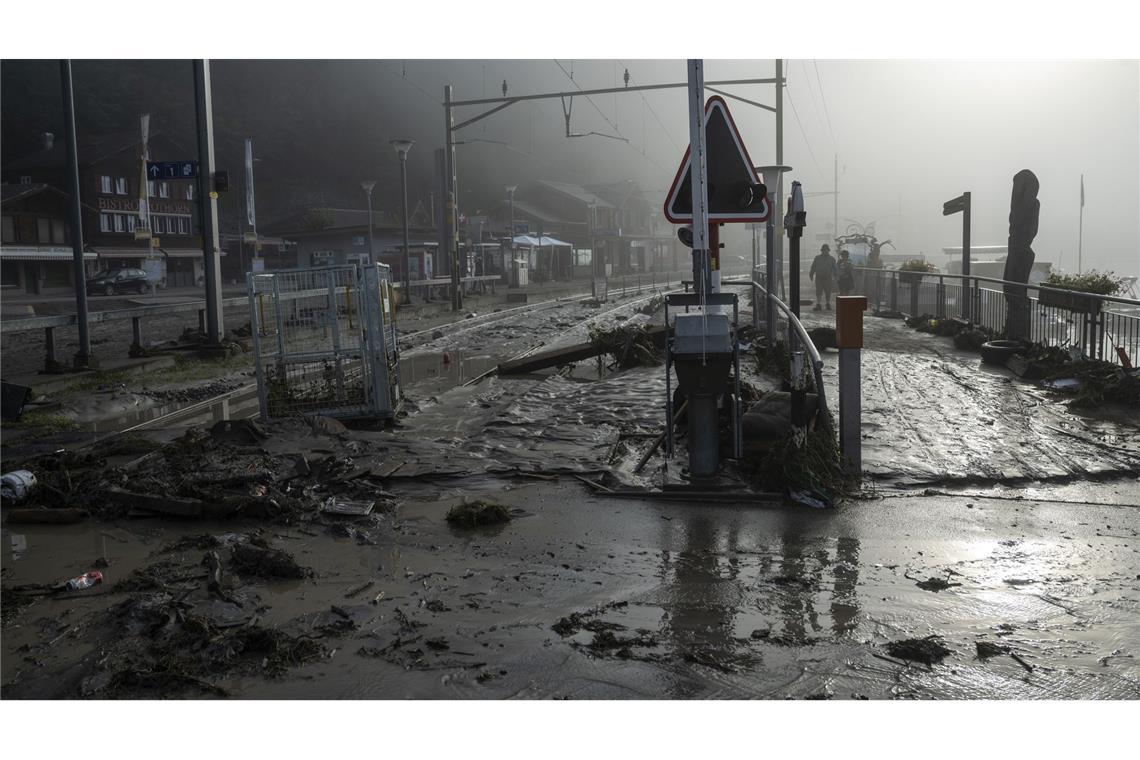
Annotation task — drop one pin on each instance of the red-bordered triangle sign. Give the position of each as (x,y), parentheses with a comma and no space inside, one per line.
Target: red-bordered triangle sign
(733,185)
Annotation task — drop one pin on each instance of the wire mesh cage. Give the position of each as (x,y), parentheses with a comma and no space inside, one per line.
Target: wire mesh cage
(324,342)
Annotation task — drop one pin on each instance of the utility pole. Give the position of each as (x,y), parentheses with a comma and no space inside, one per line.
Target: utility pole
(402,147)
(450,188)
(779,190)
(367,186)
(702,274)
(83,357)
(836,198)
(1081,229)
(208,202)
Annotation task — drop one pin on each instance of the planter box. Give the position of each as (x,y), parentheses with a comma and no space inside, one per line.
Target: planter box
(1072,300)
(912,278)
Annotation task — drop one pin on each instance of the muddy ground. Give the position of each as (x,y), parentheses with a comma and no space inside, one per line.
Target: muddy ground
(584,596)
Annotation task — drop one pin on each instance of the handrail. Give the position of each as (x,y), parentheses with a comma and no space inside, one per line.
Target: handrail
(980,278)
(805,339)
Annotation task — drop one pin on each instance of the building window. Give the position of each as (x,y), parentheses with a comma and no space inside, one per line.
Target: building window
(121,186)
(105,184)
(163,189)
(58,231)
(26,179)
(158,223)
(8,231)
(105,222)
(118,221)
(132,222)
(184,225)
(43,230)
(150,188)
(189,191)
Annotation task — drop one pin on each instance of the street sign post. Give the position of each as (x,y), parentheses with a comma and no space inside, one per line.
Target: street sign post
(961,204)
(172,170)
(735,192)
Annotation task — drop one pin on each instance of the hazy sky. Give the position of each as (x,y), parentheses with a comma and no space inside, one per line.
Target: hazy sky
(909,135)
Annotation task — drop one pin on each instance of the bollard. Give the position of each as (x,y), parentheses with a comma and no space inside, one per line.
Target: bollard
(799,393)
(51,363)
(136,348)
(849,338)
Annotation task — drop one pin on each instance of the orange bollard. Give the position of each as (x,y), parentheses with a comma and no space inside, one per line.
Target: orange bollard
(849,339)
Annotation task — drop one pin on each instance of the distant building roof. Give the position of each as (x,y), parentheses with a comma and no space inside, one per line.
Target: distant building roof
(12,192)
(320,219)
(91,150)
(576,192)
(531,210)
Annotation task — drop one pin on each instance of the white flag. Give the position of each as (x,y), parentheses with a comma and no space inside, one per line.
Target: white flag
(250,214)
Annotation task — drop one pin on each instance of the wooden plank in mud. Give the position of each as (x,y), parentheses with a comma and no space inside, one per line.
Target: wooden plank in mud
(568,355)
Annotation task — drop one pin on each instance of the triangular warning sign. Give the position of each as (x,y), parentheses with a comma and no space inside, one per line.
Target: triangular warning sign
(732,181)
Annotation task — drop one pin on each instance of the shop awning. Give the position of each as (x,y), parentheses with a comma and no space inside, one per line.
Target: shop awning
(543,242)
(40,253)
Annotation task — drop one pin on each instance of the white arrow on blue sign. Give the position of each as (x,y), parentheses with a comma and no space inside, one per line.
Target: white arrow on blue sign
(172,169)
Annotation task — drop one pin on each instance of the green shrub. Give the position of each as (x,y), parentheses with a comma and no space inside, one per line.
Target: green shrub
(1092,281)
(917,265)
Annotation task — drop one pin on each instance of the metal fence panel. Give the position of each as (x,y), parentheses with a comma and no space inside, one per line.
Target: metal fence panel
(324,341)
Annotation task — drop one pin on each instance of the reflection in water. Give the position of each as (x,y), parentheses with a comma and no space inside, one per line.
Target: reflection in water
(844,605)
(728,595)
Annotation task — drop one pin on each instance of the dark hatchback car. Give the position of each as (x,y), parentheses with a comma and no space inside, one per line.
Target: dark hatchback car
(112,281)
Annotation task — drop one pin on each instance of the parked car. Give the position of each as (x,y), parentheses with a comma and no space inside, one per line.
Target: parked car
(111,281)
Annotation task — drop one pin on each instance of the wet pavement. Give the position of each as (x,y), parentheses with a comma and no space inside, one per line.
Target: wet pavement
(583,596)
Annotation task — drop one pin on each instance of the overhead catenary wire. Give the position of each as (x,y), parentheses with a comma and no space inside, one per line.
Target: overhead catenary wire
(653,111)
(807,143)
(605,118)
(823,98)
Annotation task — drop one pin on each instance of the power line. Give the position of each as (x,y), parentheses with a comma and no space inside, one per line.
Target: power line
(403,75)
(606,118)
(664,129)
(823,97)
(807,143)
(807,86)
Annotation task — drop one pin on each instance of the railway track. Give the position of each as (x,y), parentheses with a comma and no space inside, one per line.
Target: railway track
(242,401)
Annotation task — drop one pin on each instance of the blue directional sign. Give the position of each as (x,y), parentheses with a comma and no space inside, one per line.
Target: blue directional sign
(172,169)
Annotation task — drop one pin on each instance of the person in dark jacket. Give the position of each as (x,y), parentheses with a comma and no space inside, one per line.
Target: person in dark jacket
(823,271)
(846,270)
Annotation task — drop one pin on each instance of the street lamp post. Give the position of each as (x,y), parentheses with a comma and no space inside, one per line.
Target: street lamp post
(368,184)
(402,147)
(511,232)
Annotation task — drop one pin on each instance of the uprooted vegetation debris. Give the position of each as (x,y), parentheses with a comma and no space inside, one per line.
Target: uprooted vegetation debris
(478,514)
(221,473)
(627,345)
(928,650)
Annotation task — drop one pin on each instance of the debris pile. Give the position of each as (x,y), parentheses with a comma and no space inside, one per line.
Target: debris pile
(928,650)
(478,514)
(628,345)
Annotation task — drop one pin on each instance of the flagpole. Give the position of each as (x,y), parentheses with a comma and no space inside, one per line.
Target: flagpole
(1081,227)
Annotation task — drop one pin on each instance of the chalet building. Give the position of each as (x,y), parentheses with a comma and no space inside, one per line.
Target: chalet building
(242,253)
(329,236)
(35,241)
(109,176)
(615,220)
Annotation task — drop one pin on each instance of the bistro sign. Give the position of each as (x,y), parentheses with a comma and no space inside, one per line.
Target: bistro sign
(157,206)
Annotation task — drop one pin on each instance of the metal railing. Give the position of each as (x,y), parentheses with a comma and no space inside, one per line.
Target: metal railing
(1098,325)
(788,324)
(324,341)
